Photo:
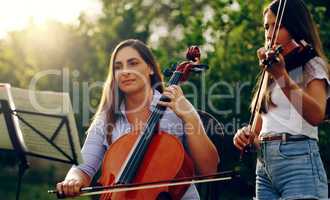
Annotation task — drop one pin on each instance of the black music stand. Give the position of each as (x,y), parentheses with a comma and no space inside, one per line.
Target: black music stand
(19,145)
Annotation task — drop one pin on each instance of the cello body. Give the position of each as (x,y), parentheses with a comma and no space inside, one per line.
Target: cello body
(150,155)
(164,159)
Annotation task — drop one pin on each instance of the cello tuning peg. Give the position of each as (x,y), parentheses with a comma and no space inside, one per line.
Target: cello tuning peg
(173,67)
(169,71)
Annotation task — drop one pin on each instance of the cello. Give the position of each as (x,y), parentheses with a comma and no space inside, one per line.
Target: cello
(135,157)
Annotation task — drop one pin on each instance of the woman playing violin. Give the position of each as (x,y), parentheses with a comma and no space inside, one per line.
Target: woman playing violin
(289,164)
(132,89)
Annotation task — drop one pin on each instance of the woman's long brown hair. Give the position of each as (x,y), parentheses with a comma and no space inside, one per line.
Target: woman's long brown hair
(301,26)
(111,94)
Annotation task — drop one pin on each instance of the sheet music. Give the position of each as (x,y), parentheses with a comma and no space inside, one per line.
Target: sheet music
(52,103)
(5,142)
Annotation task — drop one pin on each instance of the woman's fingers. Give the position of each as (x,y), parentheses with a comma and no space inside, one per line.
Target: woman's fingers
(261,53)
(59,188)
(169,94)
(164,103)
(239,144)
(241,138)
(173,89)
(77,187)
(69,188)
(178,103)
(174,93)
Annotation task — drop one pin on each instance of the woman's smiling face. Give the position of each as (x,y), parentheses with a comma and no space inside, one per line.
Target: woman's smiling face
(132,73)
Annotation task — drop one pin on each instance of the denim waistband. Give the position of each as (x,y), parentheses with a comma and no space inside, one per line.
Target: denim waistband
(284,137)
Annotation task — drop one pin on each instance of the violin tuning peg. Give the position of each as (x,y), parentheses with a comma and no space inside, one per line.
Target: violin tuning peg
(279,49)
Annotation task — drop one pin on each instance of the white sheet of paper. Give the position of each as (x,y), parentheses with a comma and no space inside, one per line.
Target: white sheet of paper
(50,103)
(5,142)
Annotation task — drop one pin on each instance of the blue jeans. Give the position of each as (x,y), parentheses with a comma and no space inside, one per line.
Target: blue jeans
(290,170)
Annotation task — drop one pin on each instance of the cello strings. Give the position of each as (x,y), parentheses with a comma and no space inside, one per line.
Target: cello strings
(155,115)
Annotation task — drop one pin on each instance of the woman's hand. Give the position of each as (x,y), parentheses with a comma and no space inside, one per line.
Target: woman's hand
(201,148)
(242,137)
(178,103)
(277,70)
(70,187)
(74,181)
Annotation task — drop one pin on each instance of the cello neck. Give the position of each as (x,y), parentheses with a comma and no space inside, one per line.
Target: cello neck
(132,163)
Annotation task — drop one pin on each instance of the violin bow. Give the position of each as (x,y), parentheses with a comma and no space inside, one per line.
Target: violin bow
(264,75)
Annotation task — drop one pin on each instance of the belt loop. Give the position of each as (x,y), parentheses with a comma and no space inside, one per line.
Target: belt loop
(284,138)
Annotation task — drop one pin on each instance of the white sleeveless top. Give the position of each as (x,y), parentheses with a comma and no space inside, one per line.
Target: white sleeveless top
(284,118)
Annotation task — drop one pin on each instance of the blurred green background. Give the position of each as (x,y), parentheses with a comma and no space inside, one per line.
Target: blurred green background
(228,32)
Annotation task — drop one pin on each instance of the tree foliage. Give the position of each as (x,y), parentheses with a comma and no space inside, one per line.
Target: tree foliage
(228,31)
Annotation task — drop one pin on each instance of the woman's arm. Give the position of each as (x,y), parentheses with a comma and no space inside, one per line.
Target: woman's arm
(310,102)
(200,146)
(202,150)
(92,153)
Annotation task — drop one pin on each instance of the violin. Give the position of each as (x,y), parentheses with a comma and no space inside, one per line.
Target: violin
(296,54)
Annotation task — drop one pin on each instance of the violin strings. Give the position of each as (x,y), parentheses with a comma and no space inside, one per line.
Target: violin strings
(155,115)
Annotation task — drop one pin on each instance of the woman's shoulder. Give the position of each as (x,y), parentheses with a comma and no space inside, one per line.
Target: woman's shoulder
(98,124)
(316,68)
(316,65)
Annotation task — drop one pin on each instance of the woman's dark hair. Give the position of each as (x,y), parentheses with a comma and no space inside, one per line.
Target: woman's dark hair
(112,96)
(299,23)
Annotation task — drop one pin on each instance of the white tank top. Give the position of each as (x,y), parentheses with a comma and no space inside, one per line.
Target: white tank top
(284,118)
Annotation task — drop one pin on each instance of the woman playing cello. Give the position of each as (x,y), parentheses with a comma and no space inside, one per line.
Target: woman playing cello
(133,87)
